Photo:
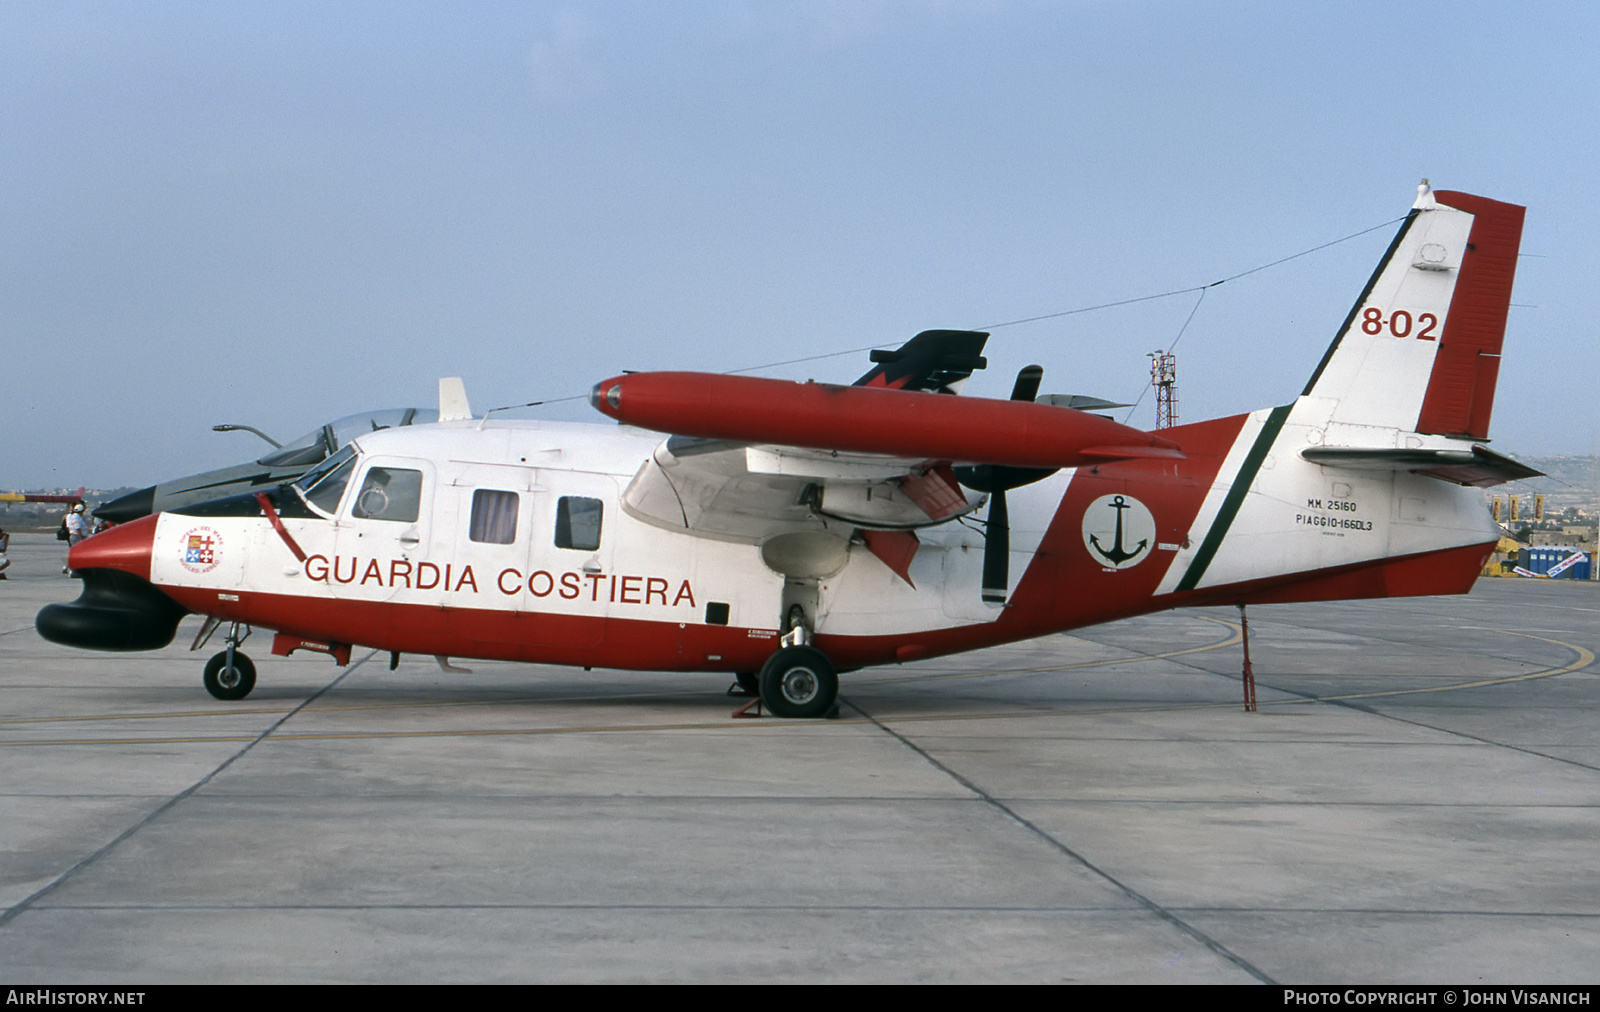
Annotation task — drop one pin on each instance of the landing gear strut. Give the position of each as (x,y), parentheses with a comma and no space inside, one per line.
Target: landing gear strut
(799,680)
(230,674)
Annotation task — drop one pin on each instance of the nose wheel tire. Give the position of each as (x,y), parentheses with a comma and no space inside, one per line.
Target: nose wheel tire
(230,683)
(799,682)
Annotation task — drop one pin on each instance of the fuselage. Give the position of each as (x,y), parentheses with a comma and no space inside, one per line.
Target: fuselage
(515,542)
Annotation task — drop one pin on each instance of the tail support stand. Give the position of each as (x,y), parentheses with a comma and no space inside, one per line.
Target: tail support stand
(1249,677)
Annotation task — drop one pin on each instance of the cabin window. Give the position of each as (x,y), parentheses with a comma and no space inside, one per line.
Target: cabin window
(494,517)
(578,523)
(389,493)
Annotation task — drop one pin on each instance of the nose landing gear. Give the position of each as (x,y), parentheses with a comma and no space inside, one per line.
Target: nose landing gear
(230,678)
(229,674)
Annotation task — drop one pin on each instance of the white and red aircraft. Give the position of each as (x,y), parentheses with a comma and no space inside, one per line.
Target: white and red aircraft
(785,531)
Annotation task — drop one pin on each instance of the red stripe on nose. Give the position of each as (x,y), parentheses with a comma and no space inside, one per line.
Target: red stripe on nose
(126,547)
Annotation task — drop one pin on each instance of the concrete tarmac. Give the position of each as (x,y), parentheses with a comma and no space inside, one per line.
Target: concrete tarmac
(1416,801)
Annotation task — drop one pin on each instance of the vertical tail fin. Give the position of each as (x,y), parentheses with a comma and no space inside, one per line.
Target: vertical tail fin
(1420,350)
(934,360)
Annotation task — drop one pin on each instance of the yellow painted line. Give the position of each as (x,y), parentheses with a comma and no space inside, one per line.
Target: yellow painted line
(408,704)
(1236,637)
(417,704)
(1584,658)
(129,741)
(720,725)
(144,716)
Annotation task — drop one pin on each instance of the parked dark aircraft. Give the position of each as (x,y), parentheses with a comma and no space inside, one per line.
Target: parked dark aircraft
(284,463)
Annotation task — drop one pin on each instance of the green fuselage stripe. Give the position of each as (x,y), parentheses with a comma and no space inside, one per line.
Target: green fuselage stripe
(1230,505)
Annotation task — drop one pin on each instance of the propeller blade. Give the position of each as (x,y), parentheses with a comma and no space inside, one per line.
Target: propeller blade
(1027,385)
(997,477)
(996,550)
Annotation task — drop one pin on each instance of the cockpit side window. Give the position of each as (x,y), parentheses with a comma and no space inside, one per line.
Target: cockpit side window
(389,493)
(323,486)
(578,522)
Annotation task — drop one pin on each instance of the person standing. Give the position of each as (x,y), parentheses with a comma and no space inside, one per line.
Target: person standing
(77,529)
(5,545)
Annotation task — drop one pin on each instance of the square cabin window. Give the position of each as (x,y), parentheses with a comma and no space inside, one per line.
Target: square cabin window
(389,493)
(494,517)
(578,523)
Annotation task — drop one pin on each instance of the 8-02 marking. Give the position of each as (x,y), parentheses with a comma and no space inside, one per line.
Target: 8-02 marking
(1399,323)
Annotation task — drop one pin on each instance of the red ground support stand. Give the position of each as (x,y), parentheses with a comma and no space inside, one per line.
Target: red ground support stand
(1249,677)
(745,710)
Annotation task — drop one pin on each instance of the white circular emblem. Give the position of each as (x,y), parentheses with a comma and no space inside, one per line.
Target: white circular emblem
(1432,253)
(200,550)
(1118,531)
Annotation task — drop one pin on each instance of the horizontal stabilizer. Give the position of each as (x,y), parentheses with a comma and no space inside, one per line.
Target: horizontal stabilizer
(1478,466)
(1081,402)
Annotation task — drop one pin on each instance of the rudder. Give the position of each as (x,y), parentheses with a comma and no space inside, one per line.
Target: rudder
(1420,350)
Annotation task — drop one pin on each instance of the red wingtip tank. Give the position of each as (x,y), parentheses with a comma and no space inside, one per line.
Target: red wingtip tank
(896,423)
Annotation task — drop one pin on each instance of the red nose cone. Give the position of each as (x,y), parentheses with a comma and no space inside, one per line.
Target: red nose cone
(126,547)
(606,397)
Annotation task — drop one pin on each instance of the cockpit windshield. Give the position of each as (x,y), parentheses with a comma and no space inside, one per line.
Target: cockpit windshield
(323,485)
(319,442)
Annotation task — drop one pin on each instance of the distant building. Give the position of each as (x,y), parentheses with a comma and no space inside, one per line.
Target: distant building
(1562,537)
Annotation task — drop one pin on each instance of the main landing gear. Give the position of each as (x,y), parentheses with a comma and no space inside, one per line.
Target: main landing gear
(798,680)
(229,674)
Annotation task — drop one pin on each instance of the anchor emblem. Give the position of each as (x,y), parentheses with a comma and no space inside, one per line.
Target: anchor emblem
(1132,530)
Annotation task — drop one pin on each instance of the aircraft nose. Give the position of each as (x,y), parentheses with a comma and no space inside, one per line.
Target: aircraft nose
(119,608)
(126,547)
(129,507)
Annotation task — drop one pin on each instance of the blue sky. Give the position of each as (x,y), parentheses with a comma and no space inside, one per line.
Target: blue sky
(276,214)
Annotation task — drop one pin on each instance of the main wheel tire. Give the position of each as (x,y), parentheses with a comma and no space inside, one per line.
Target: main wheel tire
(799,682)
(224,682)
